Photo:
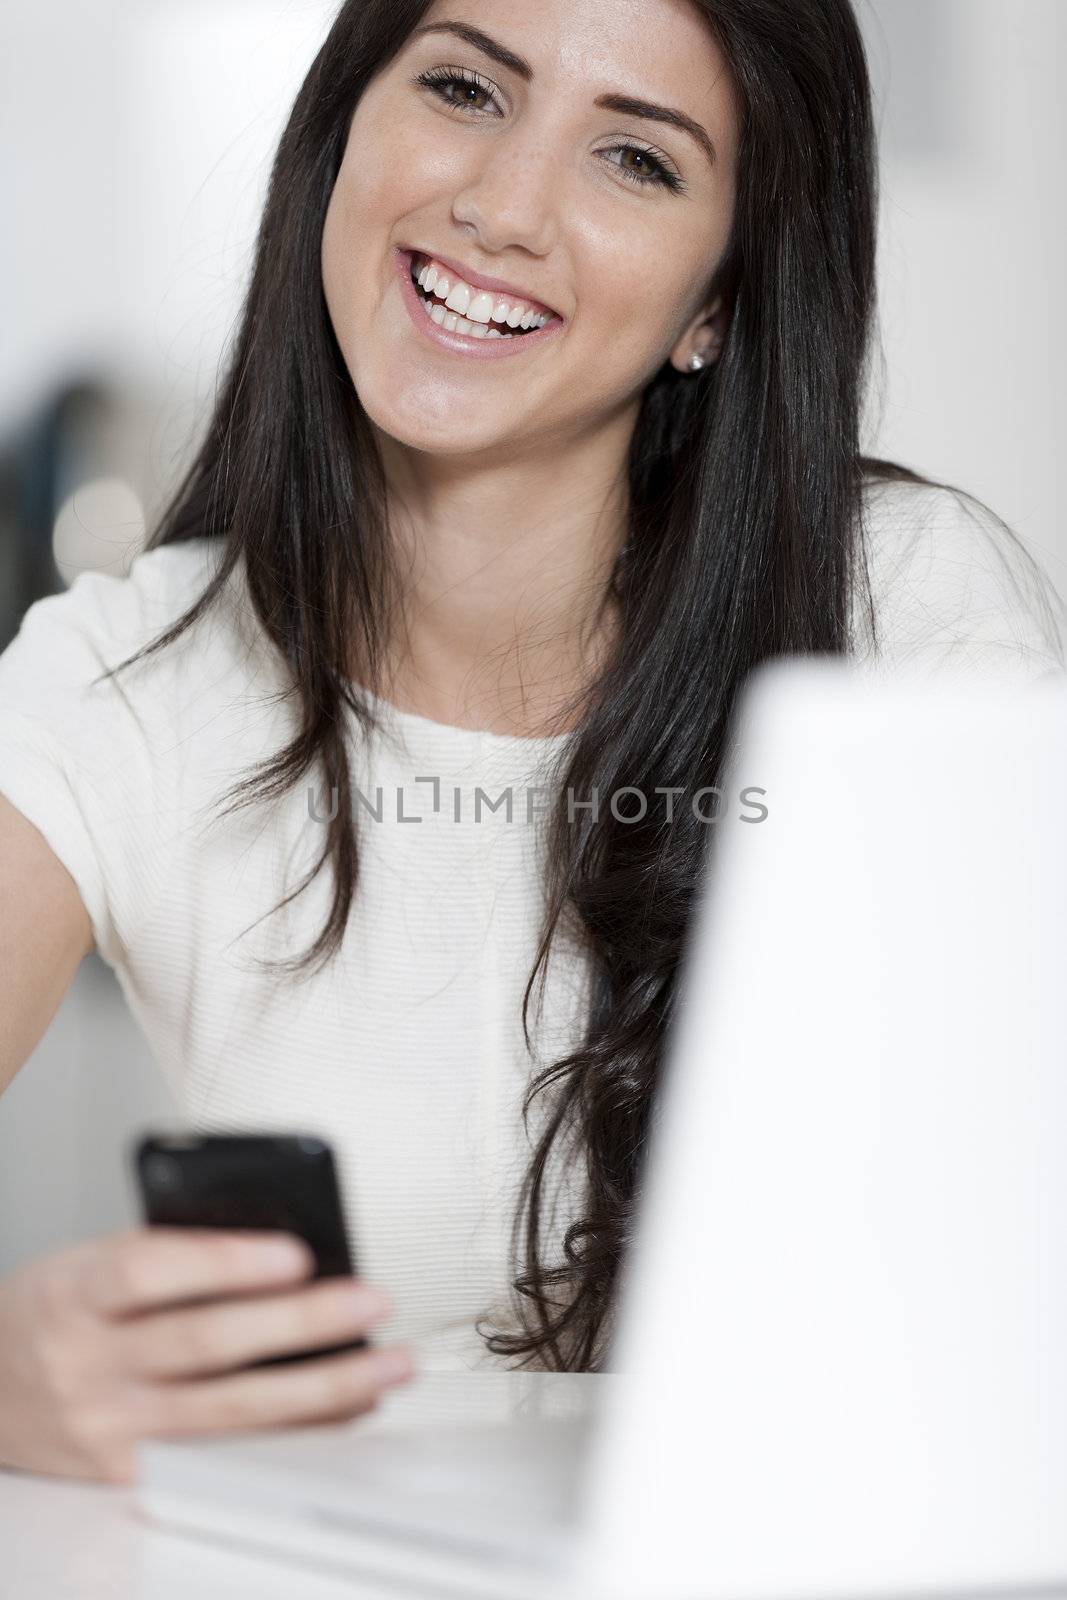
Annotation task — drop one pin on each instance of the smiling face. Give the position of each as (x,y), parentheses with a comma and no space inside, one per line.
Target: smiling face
(511,171)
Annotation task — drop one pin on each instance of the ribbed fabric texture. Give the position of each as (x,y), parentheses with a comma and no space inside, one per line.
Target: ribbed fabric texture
(407,1051)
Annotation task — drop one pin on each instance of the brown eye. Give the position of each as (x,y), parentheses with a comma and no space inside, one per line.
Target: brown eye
(651,168)
(441,80)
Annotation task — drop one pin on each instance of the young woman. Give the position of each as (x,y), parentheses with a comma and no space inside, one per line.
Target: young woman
(540,431)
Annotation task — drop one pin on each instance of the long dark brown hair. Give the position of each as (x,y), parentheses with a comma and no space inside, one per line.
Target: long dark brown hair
(745,543)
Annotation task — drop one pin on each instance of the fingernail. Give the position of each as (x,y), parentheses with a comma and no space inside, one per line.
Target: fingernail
(282,1255)
(392,1365)
(367,1303)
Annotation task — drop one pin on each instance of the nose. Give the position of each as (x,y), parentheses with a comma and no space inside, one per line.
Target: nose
(510,193)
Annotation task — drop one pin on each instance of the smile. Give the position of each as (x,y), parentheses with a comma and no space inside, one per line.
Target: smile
(475,309)
(466,319)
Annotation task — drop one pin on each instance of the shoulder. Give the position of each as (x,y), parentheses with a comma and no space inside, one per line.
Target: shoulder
(166,580)
(101,618)
(94,763)
(53,672)
(105,616)
(951,588)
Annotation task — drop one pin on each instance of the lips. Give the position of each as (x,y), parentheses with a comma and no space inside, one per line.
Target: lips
(468,346)
(478,280)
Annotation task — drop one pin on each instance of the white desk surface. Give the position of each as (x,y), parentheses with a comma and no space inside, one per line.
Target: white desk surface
(64,1540)
(61,1539)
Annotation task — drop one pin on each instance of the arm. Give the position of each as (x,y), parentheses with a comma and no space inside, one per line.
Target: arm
(44,934)
(98,1345)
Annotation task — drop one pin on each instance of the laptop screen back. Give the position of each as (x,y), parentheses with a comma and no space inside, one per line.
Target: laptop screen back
(845,1332)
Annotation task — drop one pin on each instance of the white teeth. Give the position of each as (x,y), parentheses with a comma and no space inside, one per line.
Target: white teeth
(477,305)
(480,308)
(473,330)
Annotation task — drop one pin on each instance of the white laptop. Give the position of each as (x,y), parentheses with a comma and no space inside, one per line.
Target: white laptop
(841,1364)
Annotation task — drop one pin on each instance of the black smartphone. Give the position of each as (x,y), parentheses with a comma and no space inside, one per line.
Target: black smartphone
(283,1183)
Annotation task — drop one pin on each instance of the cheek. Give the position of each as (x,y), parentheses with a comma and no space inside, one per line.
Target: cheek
(354,237)
(390,169)
(361,201)
(639,308)
(337,268)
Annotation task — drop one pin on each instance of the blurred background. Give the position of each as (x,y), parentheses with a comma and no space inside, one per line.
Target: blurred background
(135,143)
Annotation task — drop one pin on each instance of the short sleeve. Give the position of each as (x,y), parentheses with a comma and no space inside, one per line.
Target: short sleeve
(81,759)
(954,591)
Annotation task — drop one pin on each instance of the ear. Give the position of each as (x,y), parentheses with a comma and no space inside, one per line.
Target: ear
(704,336)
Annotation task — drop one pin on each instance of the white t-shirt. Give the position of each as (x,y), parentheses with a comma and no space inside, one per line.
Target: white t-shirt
(406,1051)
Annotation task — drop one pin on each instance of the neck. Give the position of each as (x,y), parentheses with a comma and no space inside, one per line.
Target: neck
(505,620)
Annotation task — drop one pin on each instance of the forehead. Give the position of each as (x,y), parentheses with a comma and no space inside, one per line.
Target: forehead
(659,50)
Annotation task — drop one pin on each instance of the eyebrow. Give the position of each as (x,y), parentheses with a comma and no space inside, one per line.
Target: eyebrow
(626,104)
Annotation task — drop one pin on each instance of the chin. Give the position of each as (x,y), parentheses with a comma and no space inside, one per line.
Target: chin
(422,433)
(421,412)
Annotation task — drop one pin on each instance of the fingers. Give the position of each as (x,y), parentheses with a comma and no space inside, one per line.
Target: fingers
(315,1391)
(154,1266)
(233,1333)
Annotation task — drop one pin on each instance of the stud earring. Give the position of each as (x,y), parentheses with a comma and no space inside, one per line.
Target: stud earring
(696,362)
